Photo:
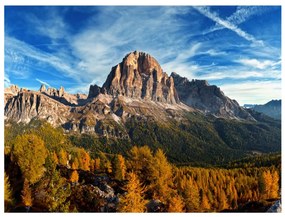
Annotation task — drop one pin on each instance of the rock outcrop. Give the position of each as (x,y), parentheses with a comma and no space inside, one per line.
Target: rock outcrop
(139,75)
(31,104)
(208,98)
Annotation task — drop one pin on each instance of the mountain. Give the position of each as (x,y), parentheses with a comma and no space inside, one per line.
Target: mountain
(208,98)
(193,122)
(271,109)
(139,75)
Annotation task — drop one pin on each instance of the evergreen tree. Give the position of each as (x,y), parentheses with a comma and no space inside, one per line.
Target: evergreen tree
(133,201)
(30,153)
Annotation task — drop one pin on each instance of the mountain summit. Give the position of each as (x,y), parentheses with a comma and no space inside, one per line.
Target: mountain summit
(139,75)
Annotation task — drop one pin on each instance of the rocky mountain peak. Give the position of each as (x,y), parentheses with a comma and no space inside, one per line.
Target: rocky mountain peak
(43,88)
(13,89)
(139,75)
(208,98)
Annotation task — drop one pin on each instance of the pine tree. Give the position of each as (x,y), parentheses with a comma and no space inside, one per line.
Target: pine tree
(30,153)
(27,194)
(133,201)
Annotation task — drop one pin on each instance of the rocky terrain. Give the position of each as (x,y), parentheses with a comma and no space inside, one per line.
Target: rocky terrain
(208,98)
(141,104)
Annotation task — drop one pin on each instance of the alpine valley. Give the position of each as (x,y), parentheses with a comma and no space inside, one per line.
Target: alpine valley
(145,141)
(193,122)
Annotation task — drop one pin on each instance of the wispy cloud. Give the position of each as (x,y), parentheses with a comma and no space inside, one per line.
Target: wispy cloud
(257,64)
(214,16)
(7,81)
(258,92)
(242,14)
(42,82)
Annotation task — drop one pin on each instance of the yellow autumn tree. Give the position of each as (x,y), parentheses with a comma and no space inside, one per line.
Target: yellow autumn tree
(133,201)
(162,176)
(205,204)
(75,164)
(83,159)
(74,177)
(268,184)
(63,157)
(119,167)
(176,204)
(275,185)
(8,200)
(105,163)
(27,194)
(30,154)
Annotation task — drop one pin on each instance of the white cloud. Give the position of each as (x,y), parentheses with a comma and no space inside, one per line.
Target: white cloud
(43,82)
(21,58)
(7,81)
(213,16)
(256,63)
(253,92)
(242,14)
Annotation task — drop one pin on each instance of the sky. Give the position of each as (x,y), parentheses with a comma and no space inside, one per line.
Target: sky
(237,48)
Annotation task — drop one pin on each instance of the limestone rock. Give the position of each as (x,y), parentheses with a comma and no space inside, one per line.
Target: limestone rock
(43,88)
(139,75)
(208,98)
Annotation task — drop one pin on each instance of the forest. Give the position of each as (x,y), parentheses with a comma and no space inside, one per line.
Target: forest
(46,171)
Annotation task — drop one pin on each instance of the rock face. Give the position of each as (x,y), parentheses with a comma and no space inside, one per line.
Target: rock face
(139,76)
(271,109)
(30,104)
(208,98)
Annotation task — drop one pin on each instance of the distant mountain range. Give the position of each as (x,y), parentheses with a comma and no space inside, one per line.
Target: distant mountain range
(271,109)
(192,121)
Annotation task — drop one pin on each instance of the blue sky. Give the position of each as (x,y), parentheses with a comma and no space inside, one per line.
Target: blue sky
(235,48)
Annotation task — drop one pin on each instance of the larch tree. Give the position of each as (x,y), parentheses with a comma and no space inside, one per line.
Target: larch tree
(63,157)
(30,153)
(27,198)
(8,199)
(275,185)
(133,201)
(74,177)
(176,204)
(57,192)
(83,159)
(162,182)
(119,167)
(105,163)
